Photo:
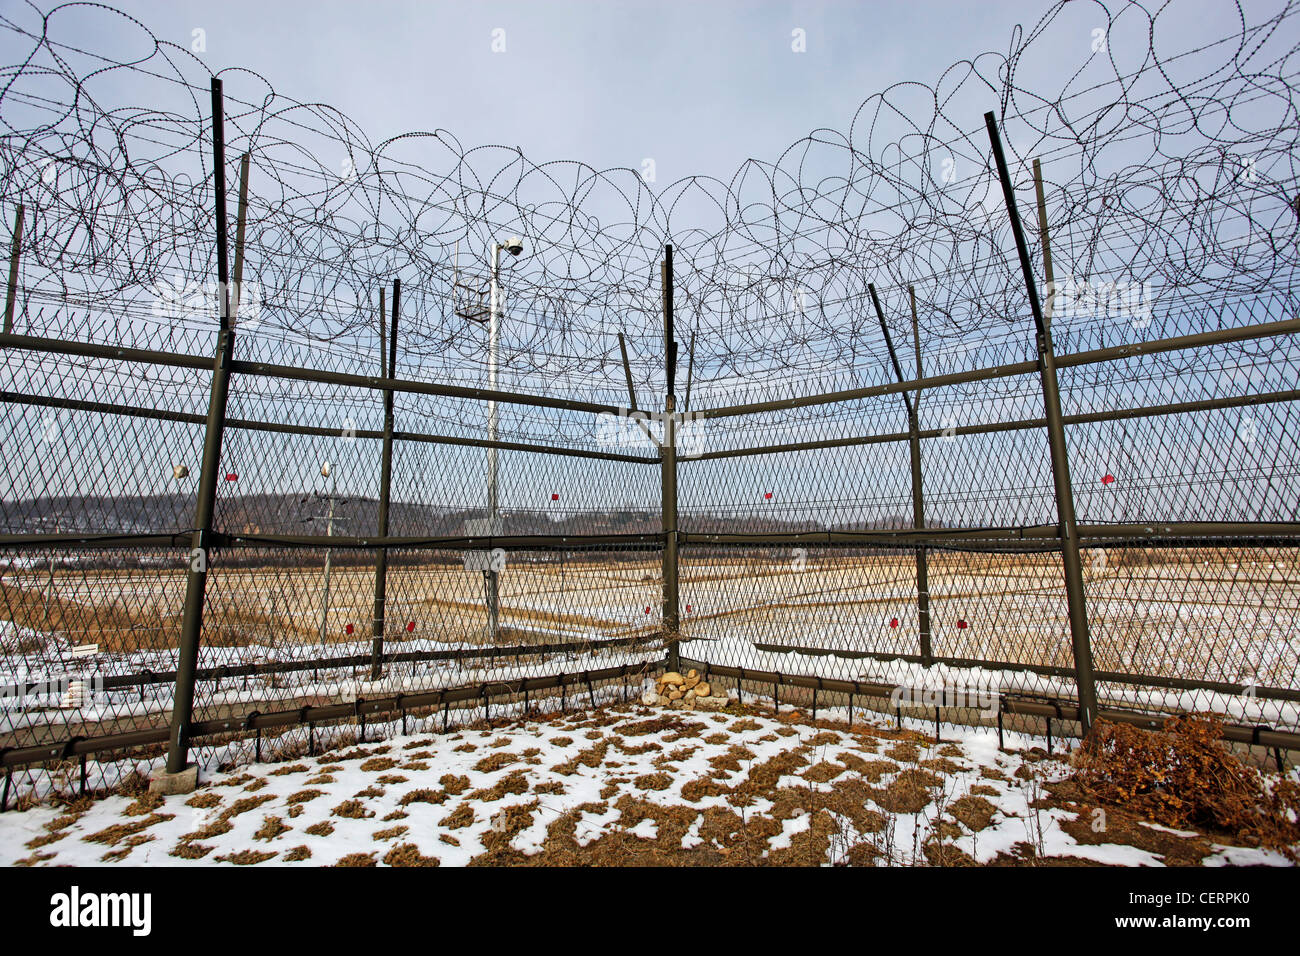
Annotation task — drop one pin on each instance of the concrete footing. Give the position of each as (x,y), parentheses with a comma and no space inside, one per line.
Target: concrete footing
(173,783)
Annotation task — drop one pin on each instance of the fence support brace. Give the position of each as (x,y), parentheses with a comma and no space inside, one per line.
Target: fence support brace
(914,448)
(11,291)
(918,497)
(200,556)
(668,473)
(385,481)
(1070,558)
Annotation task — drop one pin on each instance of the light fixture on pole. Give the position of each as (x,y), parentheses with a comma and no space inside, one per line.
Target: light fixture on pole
(515,246)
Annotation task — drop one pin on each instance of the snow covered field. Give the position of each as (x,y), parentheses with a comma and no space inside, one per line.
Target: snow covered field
(622,784)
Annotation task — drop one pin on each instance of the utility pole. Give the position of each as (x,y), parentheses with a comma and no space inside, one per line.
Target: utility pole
(490,580)
(491,577)
(57,520)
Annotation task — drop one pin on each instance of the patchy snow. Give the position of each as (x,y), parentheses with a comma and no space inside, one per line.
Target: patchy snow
(654,779)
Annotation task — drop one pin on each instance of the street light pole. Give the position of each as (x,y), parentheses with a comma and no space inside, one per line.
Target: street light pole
(49,583)
(328,471)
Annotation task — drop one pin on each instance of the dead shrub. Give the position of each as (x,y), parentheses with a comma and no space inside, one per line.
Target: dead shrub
(1183,777)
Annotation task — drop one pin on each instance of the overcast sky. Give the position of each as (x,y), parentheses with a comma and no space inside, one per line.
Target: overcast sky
(697,87)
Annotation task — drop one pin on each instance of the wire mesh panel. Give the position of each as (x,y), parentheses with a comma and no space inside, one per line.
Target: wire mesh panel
(410,427)
(88,650)
(1218,622)
(560,610)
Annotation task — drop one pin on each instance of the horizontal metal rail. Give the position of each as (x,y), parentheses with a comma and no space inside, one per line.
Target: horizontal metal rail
(1044,670)
(518,542)
(1046,537)
(36,343)
(249,424)
(1036,537)
(1061,709)
(267,668)
(380,383)
(395,703)
(1023,424)
(181,539)
(1045,708)
(1092,357)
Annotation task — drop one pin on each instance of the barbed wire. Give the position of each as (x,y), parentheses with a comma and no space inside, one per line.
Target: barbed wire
(1171,172)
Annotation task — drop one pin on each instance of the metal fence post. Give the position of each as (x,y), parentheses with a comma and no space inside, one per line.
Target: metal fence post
(914,446)
(918,500)
(668,472)
(200,555)
(385,481)
(1070,558)
(11,292)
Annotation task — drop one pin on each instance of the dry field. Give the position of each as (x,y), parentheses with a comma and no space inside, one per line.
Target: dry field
(1217,615)
(1221,615)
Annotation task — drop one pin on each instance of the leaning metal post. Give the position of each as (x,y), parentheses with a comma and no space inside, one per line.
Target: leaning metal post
(914,445)
(918,498)
(200,554)
(385,482)
(668,473)
(11,291)
(1070,558)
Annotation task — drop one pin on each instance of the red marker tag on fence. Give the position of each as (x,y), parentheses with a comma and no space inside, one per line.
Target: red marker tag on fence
(1107,478)
(688,609)
(410,625)
(961,624)
(768,495)
(554,496)
(348,629)
(893,622)
(647,610)
(231,476)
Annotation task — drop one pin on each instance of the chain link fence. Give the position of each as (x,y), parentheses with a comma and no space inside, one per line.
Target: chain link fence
(989,424)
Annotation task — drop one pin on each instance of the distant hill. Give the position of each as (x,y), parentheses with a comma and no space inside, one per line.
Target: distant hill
(294,514)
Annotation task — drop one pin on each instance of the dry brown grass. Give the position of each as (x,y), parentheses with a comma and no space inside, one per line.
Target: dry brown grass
(495,762)
(116,856)
(454,784)
(271,828)
(353,810)
(189,850)
(291,768)
(653,781)
(248,857)
(458,819)
(111,836)
(423,795)
(408,854)
(974,811)
(515,782)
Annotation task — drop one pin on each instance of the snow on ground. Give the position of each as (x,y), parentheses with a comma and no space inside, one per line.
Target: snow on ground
(617,784)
